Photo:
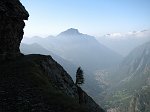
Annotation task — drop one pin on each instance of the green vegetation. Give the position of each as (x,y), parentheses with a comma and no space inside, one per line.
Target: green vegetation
(117,99)
(143,98)
(122,95)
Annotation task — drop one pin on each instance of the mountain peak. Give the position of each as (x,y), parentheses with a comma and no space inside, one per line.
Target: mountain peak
(71,31)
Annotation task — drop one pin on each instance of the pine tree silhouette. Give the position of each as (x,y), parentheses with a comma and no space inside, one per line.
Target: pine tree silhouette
(79,76)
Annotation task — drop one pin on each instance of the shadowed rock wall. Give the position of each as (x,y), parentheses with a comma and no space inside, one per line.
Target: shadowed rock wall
(12,16)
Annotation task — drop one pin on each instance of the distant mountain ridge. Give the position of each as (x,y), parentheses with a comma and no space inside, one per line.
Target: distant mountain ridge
(80,49)
(70,31)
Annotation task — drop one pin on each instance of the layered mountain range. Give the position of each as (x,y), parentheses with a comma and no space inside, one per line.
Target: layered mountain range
(80,49)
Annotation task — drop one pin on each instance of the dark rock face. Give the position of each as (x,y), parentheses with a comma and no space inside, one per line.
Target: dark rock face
(58,76)
(12,16)
(88,101)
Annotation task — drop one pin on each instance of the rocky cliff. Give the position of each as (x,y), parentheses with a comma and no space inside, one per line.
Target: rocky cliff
(33,83)
(12,16)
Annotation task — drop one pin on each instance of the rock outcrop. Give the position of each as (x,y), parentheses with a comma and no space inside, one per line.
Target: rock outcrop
(12,16)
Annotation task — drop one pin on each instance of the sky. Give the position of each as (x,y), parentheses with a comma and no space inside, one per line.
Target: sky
(93,17)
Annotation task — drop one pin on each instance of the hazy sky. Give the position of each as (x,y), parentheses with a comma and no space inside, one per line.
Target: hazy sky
(94,17)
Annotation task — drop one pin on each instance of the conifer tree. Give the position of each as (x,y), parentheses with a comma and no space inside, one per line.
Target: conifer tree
(79,76)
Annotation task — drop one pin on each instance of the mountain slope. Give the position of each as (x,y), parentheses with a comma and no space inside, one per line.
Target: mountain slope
(38,83)
(136,64)
(130,87)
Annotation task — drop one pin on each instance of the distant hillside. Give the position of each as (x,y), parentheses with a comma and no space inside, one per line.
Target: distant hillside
(80,49)
(135,65)
(130,85)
